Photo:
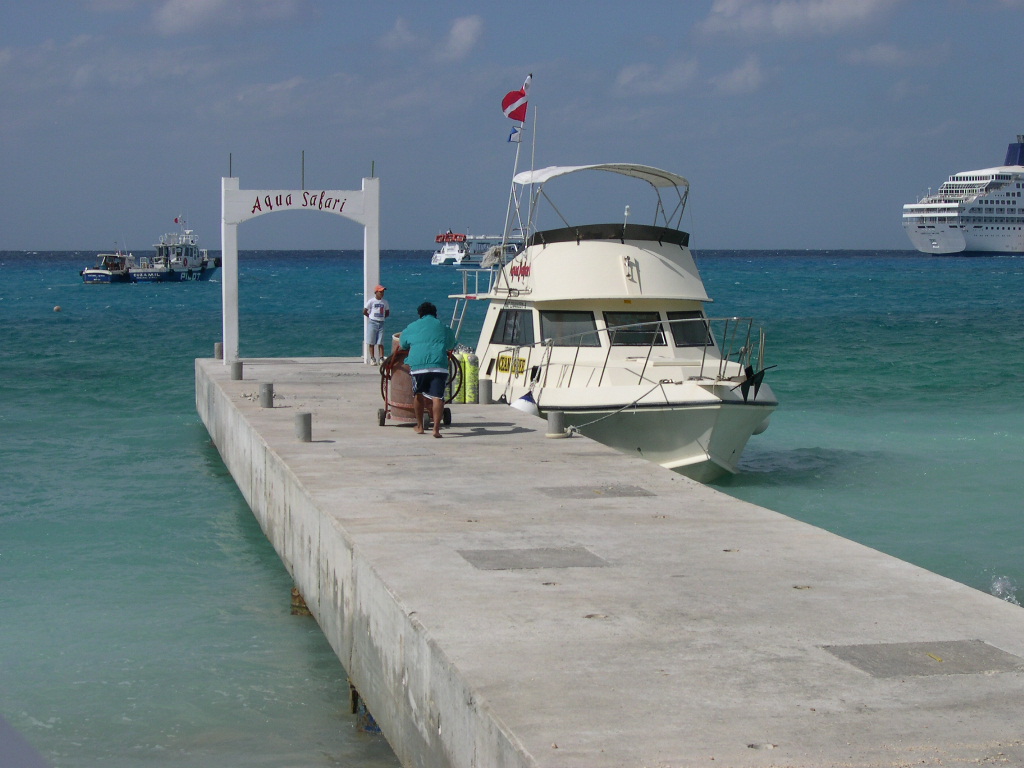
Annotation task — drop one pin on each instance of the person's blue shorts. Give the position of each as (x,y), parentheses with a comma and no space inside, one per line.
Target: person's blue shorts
(431,384)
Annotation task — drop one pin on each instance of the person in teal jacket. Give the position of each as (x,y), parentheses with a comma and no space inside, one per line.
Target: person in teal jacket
(428,342)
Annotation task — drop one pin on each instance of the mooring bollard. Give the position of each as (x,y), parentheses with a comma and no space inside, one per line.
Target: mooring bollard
(218,350)
(266,394)
(556,424)
(304,427)
(236,370)
(483,392)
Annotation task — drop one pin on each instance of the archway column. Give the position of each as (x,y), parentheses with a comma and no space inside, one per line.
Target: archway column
(240,205)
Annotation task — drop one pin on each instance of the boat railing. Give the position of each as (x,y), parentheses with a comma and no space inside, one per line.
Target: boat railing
(736,347)
(472,280)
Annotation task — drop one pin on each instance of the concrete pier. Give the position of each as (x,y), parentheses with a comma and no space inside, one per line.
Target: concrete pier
(503,599)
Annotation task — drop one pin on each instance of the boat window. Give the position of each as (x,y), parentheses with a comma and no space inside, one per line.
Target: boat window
(690,329)
(514,328)
(568,328)
(635,329)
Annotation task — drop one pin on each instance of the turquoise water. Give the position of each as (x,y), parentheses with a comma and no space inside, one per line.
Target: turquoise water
(145,617)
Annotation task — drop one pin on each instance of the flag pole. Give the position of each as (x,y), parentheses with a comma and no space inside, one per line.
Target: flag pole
(533,167)
(511,196)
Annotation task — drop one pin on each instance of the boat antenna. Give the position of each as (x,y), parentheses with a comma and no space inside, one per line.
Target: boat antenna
(533,167)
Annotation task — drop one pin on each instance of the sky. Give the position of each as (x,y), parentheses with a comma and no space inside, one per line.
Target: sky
(800,124)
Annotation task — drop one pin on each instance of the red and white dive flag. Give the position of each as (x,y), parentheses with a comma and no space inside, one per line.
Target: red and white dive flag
(514,103)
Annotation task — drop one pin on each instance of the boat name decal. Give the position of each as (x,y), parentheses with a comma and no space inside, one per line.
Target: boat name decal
(309,200)
(505,364)
(520,270)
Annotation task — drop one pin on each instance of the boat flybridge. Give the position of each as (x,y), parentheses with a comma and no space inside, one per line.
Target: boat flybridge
(606,323)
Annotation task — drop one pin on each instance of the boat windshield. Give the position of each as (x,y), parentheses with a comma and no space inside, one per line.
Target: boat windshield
(634,329)
(689,329)
(569,328)
(514,328)
(620,232)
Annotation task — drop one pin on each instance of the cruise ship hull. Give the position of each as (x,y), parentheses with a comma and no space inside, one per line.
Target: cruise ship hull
(942,240)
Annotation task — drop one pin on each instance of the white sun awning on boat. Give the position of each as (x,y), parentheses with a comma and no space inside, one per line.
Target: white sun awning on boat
(653,176)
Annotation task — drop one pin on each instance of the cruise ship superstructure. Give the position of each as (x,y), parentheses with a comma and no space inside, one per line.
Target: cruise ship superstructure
(974,212)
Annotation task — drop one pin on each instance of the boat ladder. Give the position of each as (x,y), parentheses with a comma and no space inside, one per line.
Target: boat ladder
(471,283)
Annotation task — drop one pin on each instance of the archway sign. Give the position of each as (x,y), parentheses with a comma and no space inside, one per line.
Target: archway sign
(238,205)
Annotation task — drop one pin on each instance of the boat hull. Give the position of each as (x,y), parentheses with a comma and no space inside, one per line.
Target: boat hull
(444,261)
(943,241)
(937,240)
(171,275)
(102,277)
(701,436)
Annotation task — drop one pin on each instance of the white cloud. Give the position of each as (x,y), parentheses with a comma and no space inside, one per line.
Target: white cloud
(789,17)
(273,100)
(462,38)
(644,79)
(880,55)
(175,17)
(746,78)
(398,37)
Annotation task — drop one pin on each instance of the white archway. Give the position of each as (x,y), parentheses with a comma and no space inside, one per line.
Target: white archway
(238,205)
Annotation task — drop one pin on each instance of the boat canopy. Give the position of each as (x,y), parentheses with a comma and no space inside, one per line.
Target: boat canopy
(657,178)
(654,176)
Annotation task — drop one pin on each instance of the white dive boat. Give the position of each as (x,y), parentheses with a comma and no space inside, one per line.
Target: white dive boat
(606,323)
(458,249)
(178,258)
(974,212)
(109,268)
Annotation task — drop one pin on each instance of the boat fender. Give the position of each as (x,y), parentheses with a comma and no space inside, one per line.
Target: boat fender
(527,404)
(185,262)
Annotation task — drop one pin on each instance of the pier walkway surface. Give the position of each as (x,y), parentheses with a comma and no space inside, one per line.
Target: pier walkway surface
(500,598)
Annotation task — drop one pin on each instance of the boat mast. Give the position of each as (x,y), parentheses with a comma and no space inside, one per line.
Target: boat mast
(511,197)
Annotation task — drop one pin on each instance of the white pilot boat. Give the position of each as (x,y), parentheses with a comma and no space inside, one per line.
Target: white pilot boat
(606,323)
(462,250)
(177,258)
(974,211)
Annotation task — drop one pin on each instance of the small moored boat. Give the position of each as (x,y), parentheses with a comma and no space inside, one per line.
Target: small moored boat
(109,268)
(462,250)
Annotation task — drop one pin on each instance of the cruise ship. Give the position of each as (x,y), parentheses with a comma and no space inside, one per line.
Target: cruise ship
(974,212)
